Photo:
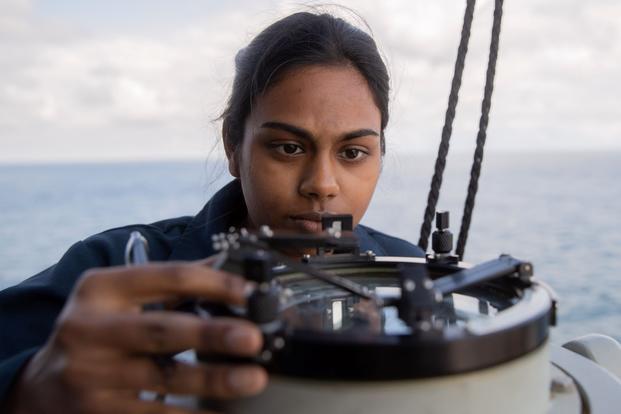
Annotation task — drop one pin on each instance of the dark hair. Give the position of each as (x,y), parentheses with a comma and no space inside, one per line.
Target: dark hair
(298,40)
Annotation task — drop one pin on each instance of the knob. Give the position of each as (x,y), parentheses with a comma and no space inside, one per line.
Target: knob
(442,238)
(257,267)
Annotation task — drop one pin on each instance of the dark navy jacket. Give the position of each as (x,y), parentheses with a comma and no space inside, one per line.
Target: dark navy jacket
(28,310)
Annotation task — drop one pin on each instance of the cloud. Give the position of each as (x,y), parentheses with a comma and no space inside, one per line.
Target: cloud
(12,18)
(557,82)
(71,96)
(84,87)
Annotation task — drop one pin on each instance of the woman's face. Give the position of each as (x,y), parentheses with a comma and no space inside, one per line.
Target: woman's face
(311,146)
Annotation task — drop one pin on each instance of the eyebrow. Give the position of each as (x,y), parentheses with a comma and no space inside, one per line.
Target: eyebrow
(306,135)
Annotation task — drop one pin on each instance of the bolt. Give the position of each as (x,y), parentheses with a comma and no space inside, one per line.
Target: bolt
(561,385)
(266,355)
(266,231)
(279,343)
(409,285)
(424,326)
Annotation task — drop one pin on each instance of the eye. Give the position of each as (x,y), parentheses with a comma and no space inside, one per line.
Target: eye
(287,148)
(353,154)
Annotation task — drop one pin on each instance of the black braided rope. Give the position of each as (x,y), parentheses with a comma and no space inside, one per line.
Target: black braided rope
(475,172)
(436,181)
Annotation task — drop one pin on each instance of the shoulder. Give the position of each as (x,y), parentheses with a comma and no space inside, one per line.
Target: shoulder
(161,236)
(106,249)
(386,245)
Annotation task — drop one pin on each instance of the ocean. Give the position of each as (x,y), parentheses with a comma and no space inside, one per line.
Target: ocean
(561,211)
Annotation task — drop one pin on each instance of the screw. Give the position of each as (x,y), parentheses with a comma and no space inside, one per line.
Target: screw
(409,285)
(424,326)
(266,231)
(266,355)
(561,385)
(279,343)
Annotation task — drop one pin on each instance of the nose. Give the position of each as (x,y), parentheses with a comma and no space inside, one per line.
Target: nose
(320,180)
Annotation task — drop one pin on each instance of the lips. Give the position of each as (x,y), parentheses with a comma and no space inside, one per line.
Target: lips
(308,222)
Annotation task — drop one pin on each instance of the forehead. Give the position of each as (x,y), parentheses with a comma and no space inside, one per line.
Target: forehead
(319,98)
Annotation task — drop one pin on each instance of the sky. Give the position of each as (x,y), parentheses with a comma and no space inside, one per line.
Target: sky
(147,79)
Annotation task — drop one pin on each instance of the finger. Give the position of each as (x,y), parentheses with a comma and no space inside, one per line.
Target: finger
(128,286)
(164,332)
(209,261)
(136,406)
(214,380)
(172,304)
(220,381)
(106,401)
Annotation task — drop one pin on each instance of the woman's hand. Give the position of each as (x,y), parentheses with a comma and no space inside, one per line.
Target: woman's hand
(100,354)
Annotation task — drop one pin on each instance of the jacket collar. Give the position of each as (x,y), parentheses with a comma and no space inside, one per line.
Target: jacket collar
(225,209)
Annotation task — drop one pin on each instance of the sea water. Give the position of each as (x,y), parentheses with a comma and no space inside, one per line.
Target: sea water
(561,211)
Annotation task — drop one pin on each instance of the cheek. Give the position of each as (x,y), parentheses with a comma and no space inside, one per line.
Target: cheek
(360,185)
(267,187)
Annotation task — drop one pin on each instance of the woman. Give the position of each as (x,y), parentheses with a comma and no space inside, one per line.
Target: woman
(304,135)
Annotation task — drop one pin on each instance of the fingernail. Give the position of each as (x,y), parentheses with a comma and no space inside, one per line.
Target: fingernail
(243,379)
(237,338)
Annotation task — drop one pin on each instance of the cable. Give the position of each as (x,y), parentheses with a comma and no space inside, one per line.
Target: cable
(436,181)
(475,172)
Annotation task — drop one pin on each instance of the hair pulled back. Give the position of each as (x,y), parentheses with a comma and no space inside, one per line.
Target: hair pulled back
(301,39)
